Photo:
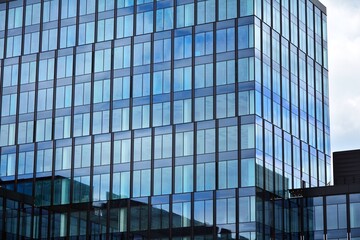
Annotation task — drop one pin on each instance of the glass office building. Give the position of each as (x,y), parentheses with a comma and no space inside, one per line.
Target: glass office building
(160,119)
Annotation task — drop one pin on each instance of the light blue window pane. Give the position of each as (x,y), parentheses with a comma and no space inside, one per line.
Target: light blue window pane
(168,18)
(189,14)
(179,48)
(159,19)
(148,22)
(188,178)
(158,51)
(354,216)
(138,54)
(137,114)
(180,16)
(158,83)
(221,40)
(188,46)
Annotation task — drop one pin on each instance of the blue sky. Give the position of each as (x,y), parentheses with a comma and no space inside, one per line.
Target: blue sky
(344,68)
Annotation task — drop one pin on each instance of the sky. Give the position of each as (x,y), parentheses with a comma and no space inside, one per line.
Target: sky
(344,72)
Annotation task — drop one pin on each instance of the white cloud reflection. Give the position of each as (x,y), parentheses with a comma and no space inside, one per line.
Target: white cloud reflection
(344,67)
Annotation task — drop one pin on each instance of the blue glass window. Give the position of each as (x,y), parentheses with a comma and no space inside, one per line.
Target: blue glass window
(142,151)
(8,163)
(225,105)
(246,102)
(32,15)
(50,10)
(183,47)
(227,9)
(164,19)
(44,160)
(101,187)
(124,26)
(81,124)
(247,136)
(63,96)
(144,22)
(181,214)
(121,185)
(2,20)
(203,43)
(13,47)
(225,72)
(206,11)
(84,63)
(82,155)
(140,116)
(62,127)
(161,50)
(102,153)
(49,39)
(43,129)
(7,136)
(67,36)
(162,181)
(205,141)
(122,57)
(225,40)
(25,132)
(228,138)
(100,122)
(102,60)
(183,179)
(68,8)
(125,3)
(87,7)
(185,15)
(65,66)
(246,7)
(81,189)
(26,162)
(246,36)
(142,53)
(182,79)
(86,33)
(184,144)
(105,5)
(11,74)
(205,177)
(204,108)
(82,93)
(161,114)
(120,120)
(161,82)
(15,17)
(105,29)
(204,75)
(141,183)
(163,146)
(121,88)
(47,69)
(182,111)
(27,102)
(28,72)
(142,83)
(225,211)
(63,158)
(8,105)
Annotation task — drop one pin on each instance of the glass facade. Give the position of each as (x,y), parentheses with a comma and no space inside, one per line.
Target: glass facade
(162,119)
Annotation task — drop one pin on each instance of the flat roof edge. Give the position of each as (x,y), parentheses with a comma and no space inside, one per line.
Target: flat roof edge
(319,5)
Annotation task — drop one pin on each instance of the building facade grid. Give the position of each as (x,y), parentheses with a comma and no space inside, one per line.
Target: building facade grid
(123,117)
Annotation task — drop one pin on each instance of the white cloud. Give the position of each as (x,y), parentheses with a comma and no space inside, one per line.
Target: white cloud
(344,64)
